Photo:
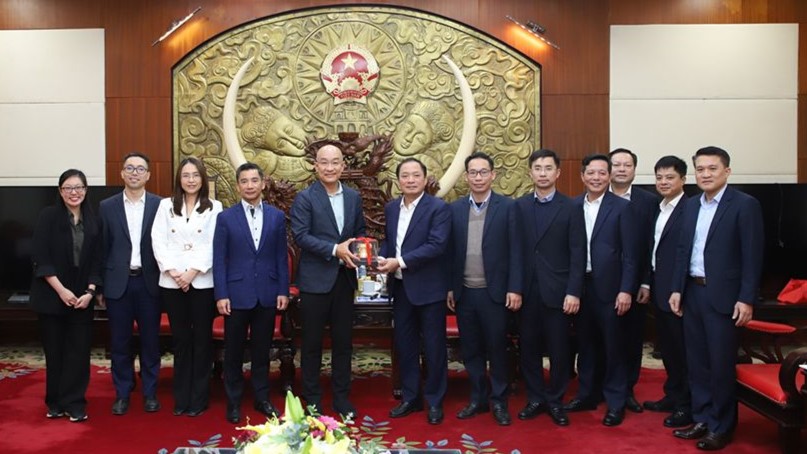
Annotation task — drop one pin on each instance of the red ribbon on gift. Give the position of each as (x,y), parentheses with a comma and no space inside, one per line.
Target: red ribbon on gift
(367,247)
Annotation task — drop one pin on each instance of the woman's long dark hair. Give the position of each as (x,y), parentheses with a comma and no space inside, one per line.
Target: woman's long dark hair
(178,198)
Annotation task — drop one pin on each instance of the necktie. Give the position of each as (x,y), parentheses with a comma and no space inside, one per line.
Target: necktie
(252,212)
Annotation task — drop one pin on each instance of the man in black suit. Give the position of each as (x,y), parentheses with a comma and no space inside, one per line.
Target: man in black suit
(131,283)
(670,179)
(609,286)
(554,241)
(643,205)
(325,218)
(715,285)
(486,285)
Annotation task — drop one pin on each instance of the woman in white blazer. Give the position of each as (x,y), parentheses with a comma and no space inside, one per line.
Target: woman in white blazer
(182,238)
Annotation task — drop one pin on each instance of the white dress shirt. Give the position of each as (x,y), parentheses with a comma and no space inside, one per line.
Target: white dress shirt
(254,220)
(590,209)
(403,225)
(706,215)
(666,210)
(134,221)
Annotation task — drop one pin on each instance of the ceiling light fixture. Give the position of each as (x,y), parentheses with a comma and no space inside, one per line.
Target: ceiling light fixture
(175,25)
(535,29)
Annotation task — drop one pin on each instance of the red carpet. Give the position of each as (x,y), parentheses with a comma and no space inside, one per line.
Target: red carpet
(24,428)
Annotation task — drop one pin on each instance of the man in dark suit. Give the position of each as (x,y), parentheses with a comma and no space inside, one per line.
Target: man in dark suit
(555,261)
(325,218)
(643,205)
(251,280)
(609,286)
(417,231)
(130,288)
(715,286)
(486,283)
(670,179)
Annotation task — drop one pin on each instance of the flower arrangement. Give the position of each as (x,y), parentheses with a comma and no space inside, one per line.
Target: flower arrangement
(298,433)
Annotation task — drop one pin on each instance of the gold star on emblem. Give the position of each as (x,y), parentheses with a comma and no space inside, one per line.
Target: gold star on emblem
(349,61)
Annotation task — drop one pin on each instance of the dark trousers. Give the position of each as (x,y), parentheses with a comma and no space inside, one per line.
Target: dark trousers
(482,324)
(316,311)
(635,321)
(138,305)
(545,330)
(259,322)
(191,316)
(417,325)
(711,348)
(66,340)
(601,362)
(670,331)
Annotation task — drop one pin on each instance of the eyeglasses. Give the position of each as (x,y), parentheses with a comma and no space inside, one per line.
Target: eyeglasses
(71,189)
(327,164)
(482,173)
(139,170)
(191,176)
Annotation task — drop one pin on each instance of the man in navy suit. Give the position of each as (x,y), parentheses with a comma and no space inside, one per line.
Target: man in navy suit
(251,280)
(643,205)
(609,286)
(670,179)
(325,218)
(417,231)
(486,283)
(715,286)
(131,277)
(555,262)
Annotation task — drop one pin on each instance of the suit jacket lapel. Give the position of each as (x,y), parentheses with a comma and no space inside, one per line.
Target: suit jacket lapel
(241,221)
(602,214)
(121,209)
(551,211)
(722,206)
(420,209)
(673,216)
(149,212)
(493,207)
(321,198)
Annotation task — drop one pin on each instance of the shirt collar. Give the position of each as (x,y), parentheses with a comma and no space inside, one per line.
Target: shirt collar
(141,199)
(673,203)
(337,193)
(546,199)
(596,201)
(247,206)
(716,199)
(414,204)
(626,195)
(484,202)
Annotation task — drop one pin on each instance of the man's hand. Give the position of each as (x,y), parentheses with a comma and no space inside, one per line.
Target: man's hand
(675,304)
(643,297)
(513,301)
(282,302)
(622,305)
(450,300)
(571,305)
(389,265)
(743,313)
(343,253)
(223,305)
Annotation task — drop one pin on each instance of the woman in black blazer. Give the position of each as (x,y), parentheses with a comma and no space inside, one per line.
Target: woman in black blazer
(67,260)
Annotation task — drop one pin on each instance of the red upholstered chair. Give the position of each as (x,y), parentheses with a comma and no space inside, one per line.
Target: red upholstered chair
(776,390)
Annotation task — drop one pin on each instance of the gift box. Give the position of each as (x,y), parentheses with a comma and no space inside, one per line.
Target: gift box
(366,249)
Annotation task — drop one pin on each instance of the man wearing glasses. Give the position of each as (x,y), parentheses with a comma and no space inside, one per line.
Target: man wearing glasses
(131,283)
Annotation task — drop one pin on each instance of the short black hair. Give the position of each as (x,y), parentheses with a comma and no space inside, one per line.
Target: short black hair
(479,155)
(673,162)
(595,157)
(713,151)
(544,153)
(137,154)
(625,150)
(248,166)
(398,169)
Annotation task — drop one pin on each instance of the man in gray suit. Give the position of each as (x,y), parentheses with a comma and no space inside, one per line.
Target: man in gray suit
(325,218)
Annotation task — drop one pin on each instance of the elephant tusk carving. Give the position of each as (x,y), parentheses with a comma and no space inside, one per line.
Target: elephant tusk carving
(234,151)
(468,139)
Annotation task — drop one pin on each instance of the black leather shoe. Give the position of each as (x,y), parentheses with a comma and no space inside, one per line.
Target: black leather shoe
(501,415)
(346,409)
(531,410)
(233,414)
(178,411)
(613,417)
(473,409)
(120,407)
(559,417)
(679,418)
(714,442)
(404,408)
(195,413)
(691,433)
(151,404)
(631,404)
(664,405)
(435,415)
(266,408)
(579,405)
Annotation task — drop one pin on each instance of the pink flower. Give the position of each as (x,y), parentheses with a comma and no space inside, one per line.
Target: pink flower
(330,423)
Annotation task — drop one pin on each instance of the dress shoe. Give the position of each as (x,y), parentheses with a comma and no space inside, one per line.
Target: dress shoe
(233,414)
(266,407)
(613,417)
(579,405)
(679,418)
(195,413)
(78,416)
(531,410)
(473,409)
(178,411)
(404,408)
(54,413)
(631,404)
(346,409)
(691,433)
(558,415)
(120,407)
(663,405)
(435,415)
(501,415)
(714,442)
(151,404)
